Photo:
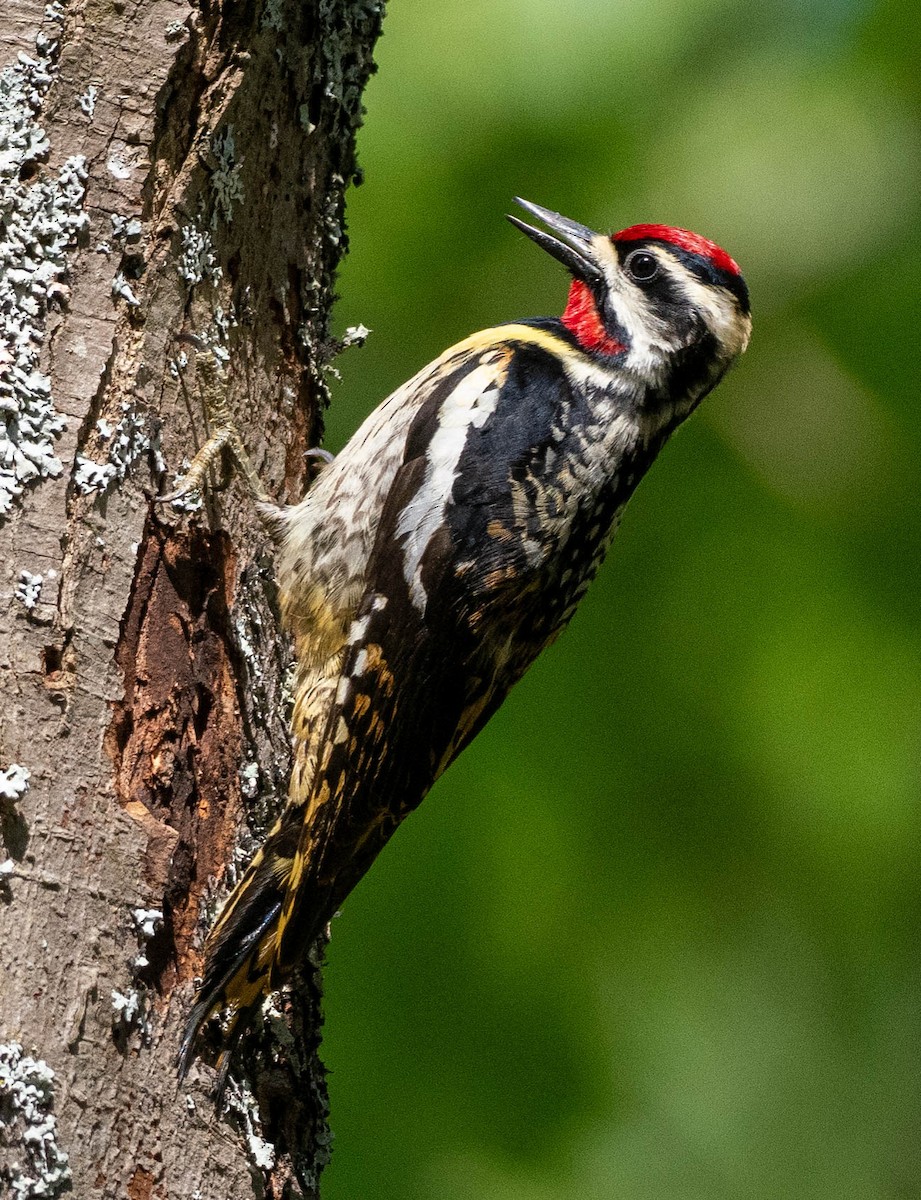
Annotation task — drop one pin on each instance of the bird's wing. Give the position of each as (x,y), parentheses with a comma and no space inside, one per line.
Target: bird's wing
(437,641)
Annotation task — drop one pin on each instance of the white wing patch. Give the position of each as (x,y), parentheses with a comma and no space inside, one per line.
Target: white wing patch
(470,405)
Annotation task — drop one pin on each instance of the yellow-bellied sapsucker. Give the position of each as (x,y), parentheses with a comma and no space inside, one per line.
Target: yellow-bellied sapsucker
(447,545)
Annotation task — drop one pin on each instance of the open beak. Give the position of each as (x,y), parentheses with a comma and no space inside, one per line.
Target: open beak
(576,252)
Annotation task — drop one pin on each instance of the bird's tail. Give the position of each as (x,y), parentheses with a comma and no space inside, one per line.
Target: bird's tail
(241,947)
(241,953)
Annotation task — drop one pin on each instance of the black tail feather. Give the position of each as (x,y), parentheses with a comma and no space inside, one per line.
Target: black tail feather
(212,994)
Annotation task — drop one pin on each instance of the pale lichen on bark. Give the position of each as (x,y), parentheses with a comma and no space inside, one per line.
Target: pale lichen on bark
(37,1166)
(183,170)
(40,219)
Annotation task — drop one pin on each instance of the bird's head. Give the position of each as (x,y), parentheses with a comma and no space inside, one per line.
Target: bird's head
(652,298)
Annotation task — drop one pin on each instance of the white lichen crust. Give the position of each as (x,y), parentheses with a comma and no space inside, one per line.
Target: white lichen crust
(240,1100)
(29,588)
(40,1168)
(130,1011)
(14,782)
(125,443)
(146,923)
(197,260)
(226,181)
(355,335)
(40,217)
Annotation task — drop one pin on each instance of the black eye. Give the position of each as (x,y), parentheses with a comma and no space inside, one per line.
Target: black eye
(642,266)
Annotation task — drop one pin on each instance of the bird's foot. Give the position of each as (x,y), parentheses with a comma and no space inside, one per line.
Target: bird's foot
(224,444)
(317,460)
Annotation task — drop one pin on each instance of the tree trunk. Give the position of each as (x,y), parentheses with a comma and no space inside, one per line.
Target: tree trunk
(165,171)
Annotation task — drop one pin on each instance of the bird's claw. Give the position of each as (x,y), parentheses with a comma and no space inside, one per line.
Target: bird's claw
(224,442)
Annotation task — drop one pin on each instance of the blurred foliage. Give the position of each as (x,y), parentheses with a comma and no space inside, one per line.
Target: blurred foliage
(656,934)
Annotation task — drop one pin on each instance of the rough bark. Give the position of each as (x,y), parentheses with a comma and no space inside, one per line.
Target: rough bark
(189,180)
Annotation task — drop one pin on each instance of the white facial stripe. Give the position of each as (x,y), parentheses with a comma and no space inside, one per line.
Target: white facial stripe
(717,307)
(650,340)
(647,334)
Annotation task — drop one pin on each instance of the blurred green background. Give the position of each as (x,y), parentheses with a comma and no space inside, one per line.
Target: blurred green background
(656,935)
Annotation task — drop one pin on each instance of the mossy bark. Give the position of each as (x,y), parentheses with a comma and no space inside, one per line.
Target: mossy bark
(201,154)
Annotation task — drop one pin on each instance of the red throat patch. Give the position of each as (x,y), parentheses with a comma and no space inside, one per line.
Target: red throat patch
(583,321)
(684,240)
